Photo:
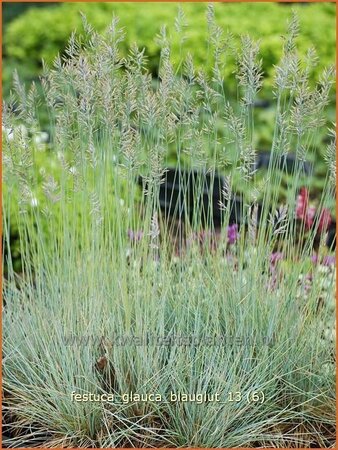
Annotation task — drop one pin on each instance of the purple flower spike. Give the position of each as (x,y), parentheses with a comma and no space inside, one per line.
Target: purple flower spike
(233,233)
(135,236)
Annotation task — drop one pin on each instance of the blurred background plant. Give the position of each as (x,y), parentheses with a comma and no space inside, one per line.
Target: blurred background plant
(34,32)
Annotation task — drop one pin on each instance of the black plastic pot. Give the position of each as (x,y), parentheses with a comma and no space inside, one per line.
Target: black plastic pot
(286,163)
(183,193)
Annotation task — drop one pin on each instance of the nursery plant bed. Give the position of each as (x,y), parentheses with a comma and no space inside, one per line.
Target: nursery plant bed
(186,193)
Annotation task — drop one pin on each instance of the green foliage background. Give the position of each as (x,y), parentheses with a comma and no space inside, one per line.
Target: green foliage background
(40,33)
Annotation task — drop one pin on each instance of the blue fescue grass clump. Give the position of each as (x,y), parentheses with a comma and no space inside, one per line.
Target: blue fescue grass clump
(112,299)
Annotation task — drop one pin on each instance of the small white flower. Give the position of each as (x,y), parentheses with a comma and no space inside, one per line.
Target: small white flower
(34,202)
(8,132)
(41,137)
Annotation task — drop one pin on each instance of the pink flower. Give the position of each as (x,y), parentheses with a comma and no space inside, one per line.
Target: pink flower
(310,215)
(304,211)
(324,220)
(302,203)
(135,236)
(314,259)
